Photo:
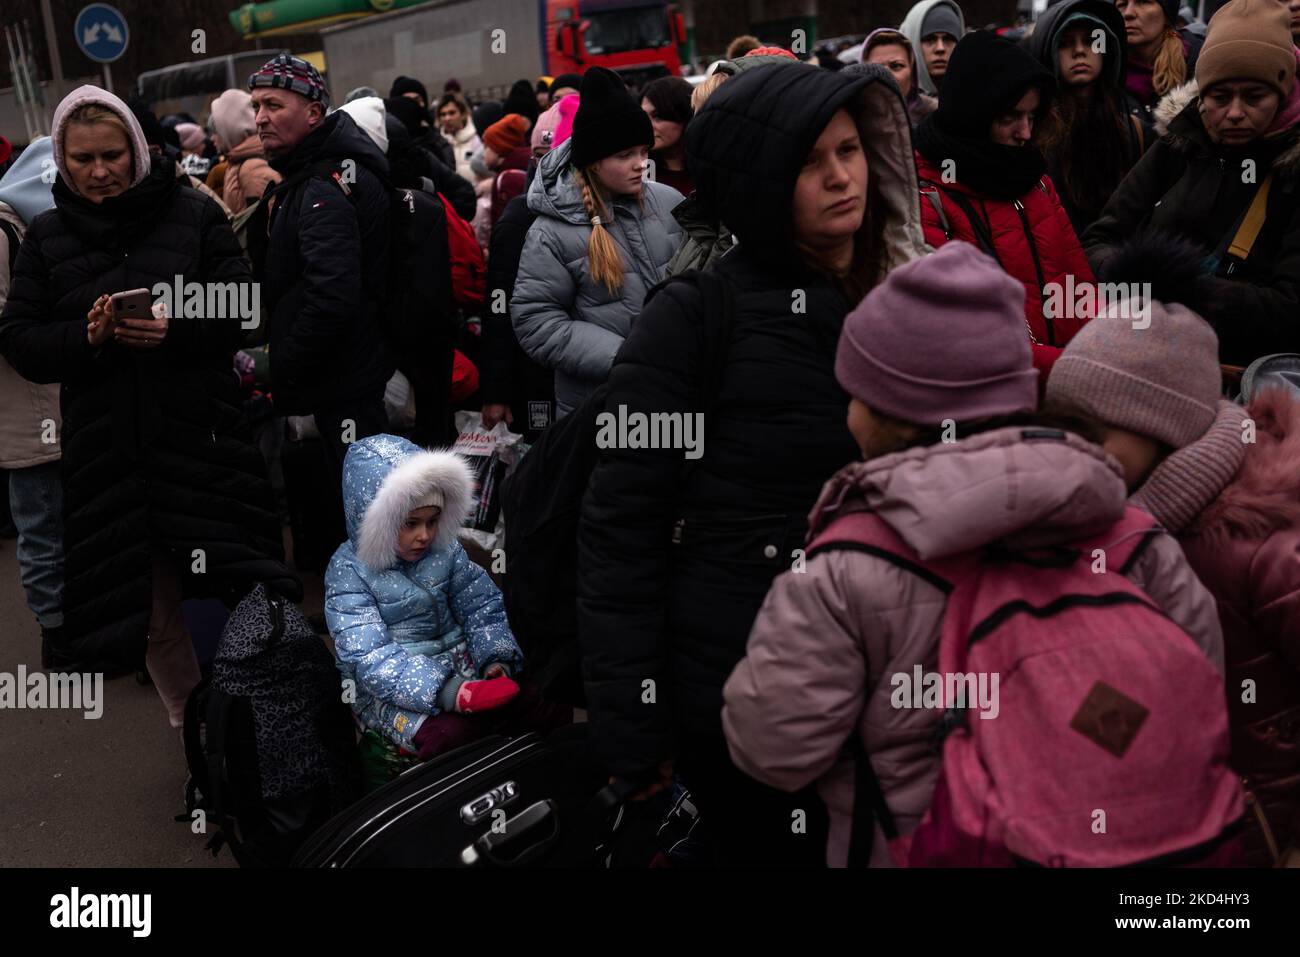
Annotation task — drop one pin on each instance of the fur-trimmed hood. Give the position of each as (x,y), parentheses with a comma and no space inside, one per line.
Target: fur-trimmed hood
(1173,103)
(1265,494)
(384,476)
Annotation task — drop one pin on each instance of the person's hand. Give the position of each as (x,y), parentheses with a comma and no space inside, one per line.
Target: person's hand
(662,783)
(496,670)
(100,321)
(495,412)
(143,333)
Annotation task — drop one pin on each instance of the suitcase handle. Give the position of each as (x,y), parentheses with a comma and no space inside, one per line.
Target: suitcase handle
(522,839)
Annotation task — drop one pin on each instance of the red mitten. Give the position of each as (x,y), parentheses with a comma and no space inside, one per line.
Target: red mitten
(485,695)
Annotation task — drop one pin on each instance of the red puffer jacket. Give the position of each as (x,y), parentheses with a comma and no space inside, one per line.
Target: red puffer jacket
(1034,242)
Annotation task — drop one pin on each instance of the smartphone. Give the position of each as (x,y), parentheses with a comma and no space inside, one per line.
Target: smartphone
(133,304)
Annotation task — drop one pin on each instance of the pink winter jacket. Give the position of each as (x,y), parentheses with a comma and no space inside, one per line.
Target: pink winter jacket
(1245,547)
(247,174)
(827,639)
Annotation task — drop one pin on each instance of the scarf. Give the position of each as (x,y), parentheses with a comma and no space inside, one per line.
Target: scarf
(1186,482)
(990,169)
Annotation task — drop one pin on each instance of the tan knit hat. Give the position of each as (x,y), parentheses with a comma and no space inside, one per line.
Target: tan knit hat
(1248,40)
(1162,381)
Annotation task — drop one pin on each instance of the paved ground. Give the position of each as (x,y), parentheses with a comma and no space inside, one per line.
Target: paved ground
(91,793)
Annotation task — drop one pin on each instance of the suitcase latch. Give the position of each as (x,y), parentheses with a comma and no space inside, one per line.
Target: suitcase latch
(483,805)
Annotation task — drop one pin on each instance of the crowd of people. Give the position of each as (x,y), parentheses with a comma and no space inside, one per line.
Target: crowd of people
(855,276)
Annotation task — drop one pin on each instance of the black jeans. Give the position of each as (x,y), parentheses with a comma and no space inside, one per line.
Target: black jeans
(364,417)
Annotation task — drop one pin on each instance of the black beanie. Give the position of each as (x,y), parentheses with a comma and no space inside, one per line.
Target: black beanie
(522,100)
(485,114)
(570,80)
(609,119)
(407,111)
(405,84)
(987,76)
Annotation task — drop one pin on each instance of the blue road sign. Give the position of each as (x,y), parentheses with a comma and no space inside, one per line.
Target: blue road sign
(101,32)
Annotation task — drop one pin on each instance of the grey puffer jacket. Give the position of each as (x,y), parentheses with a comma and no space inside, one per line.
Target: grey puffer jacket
(565,320)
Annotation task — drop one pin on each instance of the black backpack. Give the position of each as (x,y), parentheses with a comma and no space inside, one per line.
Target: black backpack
(542,501)
(417,314)
(270,744)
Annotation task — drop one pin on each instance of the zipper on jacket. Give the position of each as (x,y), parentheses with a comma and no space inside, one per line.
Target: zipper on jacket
(1038,270)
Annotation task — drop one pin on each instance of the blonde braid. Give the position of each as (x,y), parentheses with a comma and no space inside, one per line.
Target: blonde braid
(603,261)
(1170,67)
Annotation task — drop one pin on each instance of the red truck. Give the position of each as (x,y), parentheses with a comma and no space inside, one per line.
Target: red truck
(486,44)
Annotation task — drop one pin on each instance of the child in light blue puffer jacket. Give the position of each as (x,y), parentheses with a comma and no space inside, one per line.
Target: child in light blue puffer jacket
(418,627)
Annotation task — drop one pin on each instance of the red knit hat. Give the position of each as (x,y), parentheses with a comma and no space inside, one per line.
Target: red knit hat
(507,134)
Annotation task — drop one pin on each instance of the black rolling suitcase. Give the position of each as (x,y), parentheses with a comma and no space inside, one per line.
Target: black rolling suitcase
(527,801)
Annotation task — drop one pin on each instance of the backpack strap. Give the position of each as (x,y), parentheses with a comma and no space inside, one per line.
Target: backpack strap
(869,806)
(1140,135)
(1125,541)
(1243,240)
(983,235)
(865,531)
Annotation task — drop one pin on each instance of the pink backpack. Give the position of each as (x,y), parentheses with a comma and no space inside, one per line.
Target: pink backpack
(1110,742)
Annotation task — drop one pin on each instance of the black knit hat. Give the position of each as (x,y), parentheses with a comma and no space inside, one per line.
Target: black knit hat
(571,81)
(609,119)
(407,84)
(522,100)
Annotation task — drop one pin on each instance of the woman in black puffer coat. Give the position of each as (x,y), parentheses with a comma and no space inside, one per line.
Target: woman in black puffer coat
(164,496)
(674,564)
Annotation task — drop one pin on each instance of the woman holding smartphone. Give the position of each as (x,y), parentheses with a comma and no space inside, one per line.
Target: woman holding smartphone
(164,497)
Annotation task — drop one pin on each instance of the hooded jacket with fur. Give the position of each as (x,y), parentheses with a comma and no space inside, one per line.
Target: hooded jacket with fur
(403,629)
(1188,186)
(1244,545)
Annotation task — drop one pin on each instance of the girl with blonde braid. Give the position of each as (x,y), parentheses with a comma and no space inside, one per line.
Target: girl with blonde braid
(602,238)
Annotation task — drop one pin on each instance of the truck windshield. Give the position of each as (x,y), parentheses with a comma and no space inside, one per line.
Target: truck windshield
(618,31)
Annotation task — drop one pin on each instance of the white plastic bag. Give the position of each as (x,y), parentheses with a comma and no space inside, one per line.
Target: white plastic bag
(491,453)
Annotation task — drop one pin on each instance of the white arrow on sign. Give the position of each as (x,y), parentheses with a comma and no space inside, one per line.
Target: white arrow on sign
(112,32)
(91,35)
